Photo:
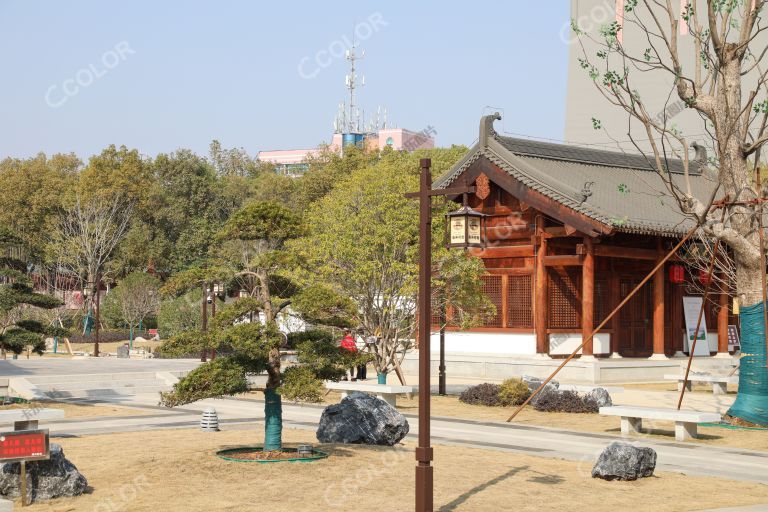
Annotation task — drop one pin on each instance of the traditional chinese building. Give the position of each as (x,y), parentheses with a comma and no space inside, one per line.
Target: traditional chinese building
(569,233)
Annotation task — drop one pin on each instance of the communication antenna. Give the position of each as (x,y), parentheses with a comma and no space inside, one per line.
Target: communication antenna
(353,121)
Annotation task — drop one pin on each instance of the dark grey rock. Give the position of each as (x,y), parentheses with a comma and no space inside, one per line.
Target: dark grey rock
(46,479)
(600,396)
(362,419)
(623,461)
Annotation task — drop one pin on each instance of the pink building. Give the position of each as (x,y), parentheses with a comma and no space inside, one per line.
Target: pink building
(294,161)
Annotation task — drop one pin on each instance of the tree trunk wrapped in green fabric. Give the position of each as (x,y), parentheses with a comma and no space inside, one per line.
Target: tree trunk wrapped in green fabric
(752,401)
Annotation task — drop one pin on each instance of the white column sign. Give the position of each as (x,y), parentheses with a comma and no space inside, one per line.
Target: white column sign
(691,308)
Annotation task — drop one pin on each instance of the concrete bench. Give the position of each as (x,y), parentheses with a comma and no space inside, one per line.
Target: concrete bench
(384,391)
(27,419)
(686,421)
(719,382)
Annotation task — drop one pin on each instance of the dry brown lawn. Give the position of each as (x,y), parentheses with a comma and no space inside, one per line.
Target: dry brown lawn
(176,470)
(450,406)
(81,410)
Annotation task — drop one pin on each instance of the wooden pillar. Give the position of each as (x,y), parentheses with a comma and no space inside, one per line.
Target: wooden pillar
(504,313)
(722,325)
(540,292)
(615,284)
(658,308)
(588,295)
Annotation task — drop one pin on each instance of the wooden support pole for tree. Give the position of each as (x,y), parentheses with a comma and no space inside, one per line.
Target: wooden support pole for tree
(588,296)
(722,321)
(626,299)
(698,322)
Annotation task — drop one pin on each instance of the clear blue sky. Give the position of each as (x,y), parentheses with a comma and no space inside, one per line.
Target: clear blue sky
(161,75)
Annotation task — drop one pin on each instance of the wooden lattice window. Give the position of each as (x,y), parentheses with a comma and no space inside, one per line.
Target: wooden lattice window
(564,300)
(520,301)
(492,289)
(602,299)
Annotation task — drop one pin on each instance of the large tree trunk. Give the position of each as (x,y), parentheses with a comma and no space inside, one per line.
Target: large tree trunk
(273,407)
(736,179)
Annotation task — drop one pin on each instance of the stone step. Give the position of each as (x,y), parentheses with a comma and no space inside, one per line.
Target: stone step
(105,392)
(94,377)
(117,384)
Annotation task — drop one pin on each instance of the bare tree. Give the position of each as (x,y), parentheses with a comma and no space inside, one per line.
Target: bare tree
(712,86)
(86,238)
(136,297)
(722,78)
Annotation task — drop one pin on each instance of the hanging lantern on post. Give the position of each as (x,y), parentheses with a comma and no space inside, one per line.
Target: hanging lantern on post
(676,274)
(465,228)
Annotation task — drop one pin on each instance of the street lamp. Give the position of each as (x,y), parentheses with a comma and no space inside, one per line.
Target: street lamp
(465,228)
(424,455)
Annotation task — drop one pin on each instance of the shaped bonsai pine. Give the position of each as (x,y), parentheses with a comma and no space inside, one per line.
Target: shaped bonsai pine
(253,348)
(18,328)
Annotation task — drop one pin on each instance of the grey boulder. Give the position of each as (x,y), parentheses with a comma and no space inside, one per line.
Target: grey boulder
(600,396)
(46,479)
(623,461)
(362,419)
(533,383)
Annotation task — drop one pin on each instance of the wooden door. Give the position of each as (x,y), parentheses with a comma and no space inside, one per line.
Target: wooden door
(635,320)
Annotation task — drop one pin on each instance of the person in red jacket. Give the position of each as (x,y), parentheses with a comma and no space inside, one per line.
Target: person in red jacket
(348,343)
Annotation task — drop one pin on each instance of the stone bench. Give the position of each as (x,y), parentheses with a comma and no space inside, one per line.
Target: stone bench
(719,382)
(384,391)
(27,419)
(686,421)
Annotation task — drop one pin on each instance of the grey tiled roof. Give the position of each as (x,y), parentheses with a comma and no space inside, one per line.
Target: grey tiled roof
(526,147)
(626,193)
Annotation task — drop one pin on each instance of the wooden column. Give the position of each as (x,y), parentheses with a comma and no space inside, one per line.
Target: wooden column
(588,295)
(722,325)
(540,291)
(658,308)
(504,313)
(615,284)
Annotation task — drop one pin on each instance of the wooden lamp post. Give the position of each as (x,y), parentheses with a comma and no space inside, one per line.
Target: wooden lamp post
(424,470)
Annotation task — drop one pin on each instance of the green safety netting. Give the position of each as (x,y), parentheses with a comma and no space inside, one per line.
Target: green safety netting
(752,402)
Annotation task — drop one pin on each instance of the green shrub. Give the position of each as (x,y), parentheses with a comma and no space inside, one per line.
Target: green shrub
(482,394)
(301,384)
(513,392)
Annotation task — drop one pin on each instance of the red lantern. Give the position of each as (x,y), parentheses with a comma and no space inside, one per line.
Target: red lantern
(704,277)
(676,274)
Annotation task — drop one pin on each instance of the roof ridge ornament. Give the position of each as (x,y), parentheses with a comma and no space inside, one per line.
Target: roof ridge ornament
(486,128)
(700,156)
(586,191)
